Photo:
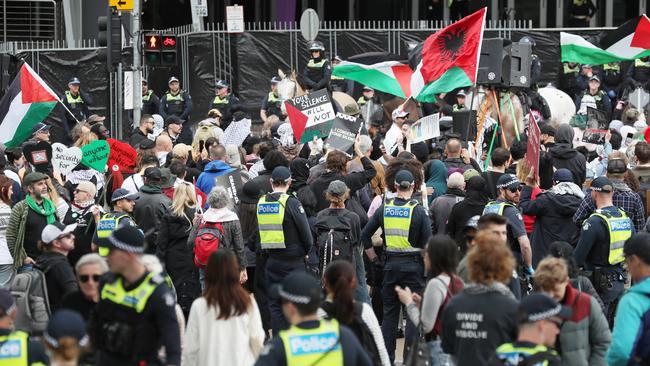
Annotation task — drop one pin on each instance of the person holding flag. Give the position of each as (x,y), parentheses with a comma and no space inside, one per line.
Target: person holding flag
(76,103)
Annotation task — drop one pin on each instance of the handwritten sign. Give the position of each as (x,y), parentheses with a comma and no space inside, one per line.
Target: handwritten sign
(64,158)
(310,115)
(38,154)
(122,156)
(343,133)
(426,128)
(95,155)
(532,152)
(232,183)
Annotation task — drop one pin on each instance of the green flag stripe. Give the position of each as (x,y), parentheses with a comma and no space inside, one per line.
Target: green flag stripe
(370,77)
(37,112)
(594,56)
(452,79)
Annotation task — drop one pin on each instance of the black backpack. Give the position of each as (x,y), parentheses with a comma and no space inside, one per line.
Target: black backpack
(360,330)
(333,239)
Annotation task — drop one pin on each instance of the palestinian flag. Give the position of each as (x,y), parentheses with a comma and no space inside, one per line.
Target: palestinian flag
(27,101)
(448,59)
(392,77)
(627,42)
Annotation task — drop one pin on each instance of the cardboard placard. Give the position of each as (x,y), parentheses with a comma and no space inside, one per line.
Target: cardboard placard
(310,115)
(231,182)
(534,141)
(64,158)
(343,133)
(390,139)
(38,154)
(426,128)
(597,119)
(95,155)
(122,156)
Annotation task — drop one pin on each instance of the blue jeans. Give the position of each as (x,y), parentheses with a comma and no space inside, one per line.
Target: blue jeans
(361,293)
(438,357)
(403,272)
(276,271)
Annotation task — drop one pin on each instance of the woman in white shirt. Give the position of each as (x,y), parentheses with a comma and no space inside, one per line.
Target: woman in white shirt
(6,261)
(225,327)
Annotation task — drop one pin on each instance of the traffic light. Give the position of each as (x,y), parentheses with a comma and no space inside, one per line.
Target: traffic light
(110,36)
(152,49)
(169,50)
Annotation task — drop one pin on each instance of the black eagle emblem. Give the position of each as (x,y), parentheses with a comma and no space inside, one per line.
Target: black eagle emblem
(451,43)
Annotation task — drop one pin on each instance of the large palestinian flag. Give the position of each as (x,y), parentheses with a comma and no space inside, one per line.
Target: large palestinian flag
(27,101)
(392,77)
(627,42)
(448,59)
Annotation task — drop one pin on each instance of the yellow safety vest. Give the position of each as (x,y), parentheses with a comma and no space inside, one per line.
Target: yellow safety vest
(315,65)
(510,354)
(72,100)
(219,100)
(13,349)
(397,222)
(612,66)
(173,98)
(270,215)
(598,97)
(106,225)
(334,77)
(147,96)
(497,207)
(136,298)
(272,98)
(458,107)
(318,346)
(361,101)
(620,229)
(640,63)
(571,70)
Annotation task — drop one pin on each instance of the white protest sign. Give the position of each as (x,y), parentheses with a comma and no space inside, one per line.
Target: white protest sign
(426,128)
(64,158)
(390,140)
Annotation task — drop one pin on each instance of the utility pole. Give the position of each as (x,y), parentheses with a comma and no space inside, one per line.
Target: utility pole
(137,75)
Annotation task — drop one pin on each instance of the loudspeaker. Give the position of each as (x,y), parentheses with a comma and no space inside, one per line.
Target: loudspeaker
(494,63)
(459,124)
(520,61)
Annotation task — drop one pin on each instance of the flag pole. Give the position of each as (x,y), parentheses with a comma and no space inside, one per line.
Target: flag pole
(66,108)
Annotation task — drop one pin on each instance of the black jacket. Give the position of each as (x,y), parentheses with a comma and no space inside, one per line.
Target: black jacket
(476,198)
(354,181)
(136,138)
(565,156)
(554,214)
(148,213)
(59,276)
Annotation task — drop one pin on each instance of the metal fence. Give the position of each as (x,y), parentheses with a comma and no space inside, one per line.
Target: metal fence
(29,20)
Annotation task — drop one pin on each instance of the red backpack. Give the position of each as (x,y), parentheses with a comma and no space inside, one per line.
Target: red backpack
(209,236)
(455,286)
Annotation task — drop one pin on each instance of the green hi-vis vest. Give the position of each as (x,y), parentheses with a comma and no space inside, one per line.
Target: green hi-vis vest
(106,225)
(135,299)
(458,107)
(511,355)
(361,101)
(72,100)
(397,222)
(147,96)
(497,207)
(219,100)
(620,229)
(270,215)
(612,66)
(315,65)
(334,77)
(598,97)
(571,70)
(13,349)
(175,98)
(318,346)
(640,63)
(272,98)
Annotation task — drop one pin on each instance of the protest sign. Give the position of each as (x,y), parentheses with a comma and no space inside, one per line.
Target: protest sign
(532,152)
(391,137)
(425,128)
(310,115)
(344,132)
(38,154)
(64,158)
(231,182)
(596,126)
(121,157)
(95,155)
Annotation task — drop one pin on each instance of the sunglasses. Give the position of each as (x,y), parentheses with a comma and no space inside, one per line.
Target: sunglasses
(86,278)
(514,190)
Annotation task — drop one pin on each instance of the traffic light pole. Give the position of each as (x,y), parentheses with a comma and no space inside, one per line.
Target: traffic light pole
(137,76)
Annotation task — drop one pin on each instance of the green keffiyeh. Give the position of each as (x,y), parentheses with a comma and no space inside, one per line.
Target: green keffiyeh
(48,209)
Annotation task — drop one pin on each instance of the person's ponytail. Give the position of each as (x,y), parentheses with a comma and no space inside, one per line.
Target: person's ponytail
(340,277)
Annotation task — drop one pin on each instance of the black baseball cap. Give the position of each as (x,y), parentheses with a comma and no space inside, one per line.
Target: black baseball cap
(153,174)
(536,307)
(280,174)
(602,184)
(616,166)
(173,119)
(562,175)
(146,144)
(126,238)
(65,323)
(300,288)
(404,178)
(639,245)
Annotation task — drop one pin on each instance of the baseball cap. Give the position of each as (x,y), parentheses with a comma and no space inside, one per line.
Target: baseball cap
(153,174)
(508,181)
(469,173)
(221,84)
(168,178)
(616,166)
(126,238)
(461,93)
(404,179)
(300,288)
(55,230)
(536,307)
(563,175)
(123,194)
(40,127)
(280,174)
(7,302)
(275,80)
(65,323)
(639,245)
(74,80)
(173,119)
(146,144)
(602,184)
(368,88)
(33,177)
(337,188)
(172,79)
(399,113)
(594,77)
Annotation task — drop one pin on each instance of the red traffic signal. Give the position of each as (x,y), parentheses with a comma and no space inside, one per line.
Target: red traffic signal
(152,42)
(169,41)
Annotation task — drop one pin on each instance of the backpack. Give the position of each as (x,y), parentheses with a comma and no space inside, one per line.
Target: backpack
(360,330)
(29,289)
(209,236)
(455,286)
(333,239)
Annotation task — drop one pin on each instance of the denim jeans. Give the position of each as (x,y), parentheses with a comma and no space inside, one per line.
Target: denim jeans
(438,357)
(361,293)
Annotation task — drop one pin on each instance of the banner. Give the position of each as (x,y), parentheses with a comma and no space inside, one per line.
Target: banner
(310,115)
(344,132)
(122,156)
(64,158)
(532,153)
(425,128)
(95,155)
(232,183)
(596,126)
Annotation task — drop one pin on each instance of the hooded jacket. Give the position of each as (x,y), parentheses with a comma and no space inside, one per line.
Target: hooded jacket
(354,181)
(564,155)
(630,337)
(232,234)
(476,197)
(212,170)
(59,276)
(554,213)
(148,213)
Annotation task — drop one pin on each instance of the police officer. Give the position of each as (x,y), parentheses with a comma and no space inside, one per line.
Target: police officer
(338,83)
(580,13)
(407,229)
(594,92)
(612,79)
(176,101)
(600,248)
(135,314)
(367,94)
(122,202)
(77,101)
(318,72)
(225,102)
(271,103)
(540,319)
(310,341)
(150,101)
(284,232)
(15,346)
(569,79)
(509,190)
(638,73)
(460,101)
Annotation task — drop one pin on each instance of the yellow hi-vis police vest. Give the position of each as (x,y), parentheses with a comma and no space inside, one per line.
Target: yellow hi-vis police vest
(511,354)
(147,96)
(570,70)
(318,346)
(397,222)
(612,66)
(219,100)
(136,298)
(334,77)
(361,101)
(72,100)
(174,98)
(272,98)
(620,229)
(106,225)
(13,349)
(315,65)
(640,63)
(497,207)
(270,215)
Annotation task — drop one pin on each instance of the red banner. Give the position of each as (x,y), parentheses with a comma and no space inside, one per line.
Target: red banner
(532,153)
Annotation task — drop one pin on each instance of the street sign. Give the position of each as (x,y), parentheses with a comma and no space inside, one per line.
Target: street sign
(309,25)
(121,5)
(129,90)
(235,19)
